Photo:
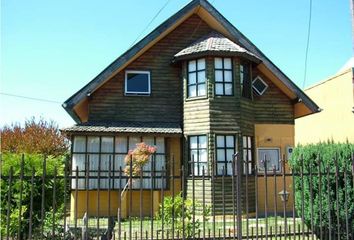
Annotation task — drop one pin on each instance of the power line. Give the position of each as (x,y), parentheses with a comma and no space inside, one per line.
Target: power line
(30,98)
(307,44)
(148,25)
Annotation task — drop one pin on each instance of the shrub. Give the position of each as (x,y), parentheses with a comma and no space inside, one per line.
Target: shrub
(327,156)
(36,161)
(172,212)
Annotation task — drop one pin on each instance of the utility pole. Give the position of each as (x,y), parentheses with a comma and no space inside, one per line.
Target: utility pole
(352,16)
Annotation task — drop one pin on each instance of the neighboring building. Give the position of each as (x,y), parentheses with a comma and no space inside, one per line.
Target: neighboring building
(200,91)
(335,96)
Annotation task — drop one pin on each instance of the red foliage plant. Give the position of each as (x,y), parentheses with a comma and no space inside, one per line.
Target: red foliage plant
(36,137)
(137,158)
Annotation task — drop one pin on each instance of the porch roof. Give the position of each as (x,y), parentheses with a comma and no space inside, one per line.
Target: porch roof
(125,127)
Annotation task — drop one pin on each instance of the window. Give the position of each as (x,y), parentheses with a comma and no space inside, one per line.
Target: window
(196,78)
(247,145)
(104,154)
(259,85)
(198,155)
(225,148)
(245,81)
(223,76)
(137,82)
(270,156)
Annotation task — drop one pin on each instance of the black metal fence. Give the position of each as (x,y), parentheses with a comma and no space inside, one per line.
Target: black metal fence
(299,203)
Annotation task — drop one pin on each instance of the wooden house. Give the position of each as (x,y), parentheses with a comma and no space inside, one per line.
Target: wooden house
(200,91)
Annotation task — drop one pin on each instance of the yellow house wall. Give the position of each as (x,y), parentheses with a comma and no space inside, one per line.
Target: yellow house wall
(174,150)
(278,136)
(336,121)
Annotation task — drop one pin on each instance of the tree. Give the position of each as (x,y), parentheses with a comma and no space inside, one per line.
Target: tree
(35,137)
(322,204)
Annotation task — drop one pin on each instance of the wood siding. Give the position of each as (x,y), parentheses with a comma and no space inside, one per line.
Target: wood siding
(165,102)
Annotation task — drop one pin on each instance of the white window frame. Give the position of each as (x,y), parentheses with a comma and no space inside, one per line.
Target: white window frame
(137,93)
(279,155)
(259,78)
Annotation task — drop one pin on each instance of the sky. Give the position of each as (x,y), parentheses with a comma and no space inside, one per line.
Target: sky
(50,49)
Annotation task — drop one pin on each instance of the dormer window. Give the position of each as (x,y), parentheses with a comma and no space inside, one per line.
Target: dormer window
(196,78)
(223,76)
(137,83)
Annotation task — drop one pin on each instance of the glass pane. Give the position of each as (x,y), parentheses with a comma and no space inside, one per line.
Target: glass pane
(220,141)
(201,77)
(228,76)
(133,141)
(93,144)
(201,89)
(191,65)
(245,155)
(218,63)
(138,82)
(249,141)
(244,138)
(194,156)
(79,144)
(193,142)
(192,91)
(249,155)
(218,76)
(221,168)
(230,141)
(107,144)
(201,64)
(119,162)
(219,89)
(203,157)
(241,74)
(149,141)
(192,78)
(160,144)
(229,168)
(94,162)
(121,145)
(220,155)
(79,161)
(228,89)
(229,153)
(227,63)
(202,142)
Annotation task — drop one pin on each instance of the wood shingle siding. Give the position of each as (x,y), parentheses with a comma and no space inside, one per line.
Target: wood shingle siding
(164,104)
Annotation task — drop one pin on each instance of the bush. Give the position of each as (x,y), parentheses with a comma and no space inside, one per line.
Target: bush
(36,161)
(331,155)
(172,212)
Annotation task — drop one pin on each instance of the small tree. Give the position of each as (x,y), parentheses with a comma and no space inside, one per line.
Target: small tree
(35,137)
(135,161)
(325,156)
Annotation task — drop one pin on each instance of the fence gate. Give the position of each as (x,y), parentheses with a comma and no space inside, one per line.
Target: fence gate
(265,202)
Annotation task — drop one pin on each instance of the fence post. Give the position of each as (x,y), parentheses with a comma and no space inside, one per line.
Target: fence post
(238,163)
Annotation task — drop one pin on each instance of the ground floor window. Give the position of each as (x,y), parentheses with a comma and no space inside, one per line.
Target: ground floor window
(247,145)
(198,157)
(225,148)
(269,159)
(104,155)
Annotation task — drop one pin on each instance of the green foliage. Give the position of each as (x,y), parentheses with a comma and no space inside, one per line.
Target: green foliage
(33,161)
(328,158)
(180,212)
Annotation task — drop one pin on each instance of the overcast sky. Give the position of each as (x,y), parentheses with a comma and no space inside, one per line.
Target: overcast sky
(50,49)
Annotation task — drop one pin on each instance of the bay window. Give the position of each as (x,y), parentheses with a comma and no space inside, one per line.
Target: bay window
(196,83)
(223,76)
(225,149)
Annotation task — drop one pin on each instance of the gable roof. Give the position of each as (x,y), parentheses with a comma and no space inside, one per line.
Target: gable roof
(215,44)
(75,105)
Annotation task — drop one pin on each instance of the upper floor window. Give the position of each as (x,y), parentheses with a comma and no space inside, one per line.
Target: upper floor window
(137,82)
(245,81)
(223,76)
(196,78)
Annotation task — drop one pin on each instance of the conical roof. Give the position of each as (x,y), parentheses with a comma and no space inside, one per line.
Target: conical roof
(214,44)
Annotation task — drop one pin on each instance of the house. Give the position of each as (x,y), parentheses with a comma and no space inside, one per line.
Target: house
(200,91)
(335,96)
